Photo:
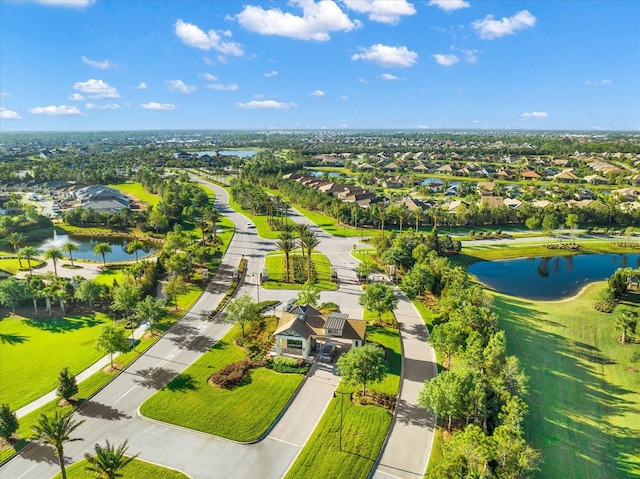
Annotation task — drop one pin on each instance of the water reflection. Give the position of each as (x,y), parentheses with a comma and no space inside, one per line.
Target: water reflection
(549,278)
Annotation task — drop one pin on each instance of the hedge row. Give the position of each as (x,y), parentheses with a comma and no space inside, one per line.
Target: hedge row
(232,289)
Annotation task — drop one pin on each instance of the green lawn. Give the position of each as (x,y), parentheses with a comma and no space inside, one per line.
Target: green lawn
(584,402)
(260,221)
(136,469)
(108,276)
(35,350)
(137,190)
(488,252)
(363,430)
(275,263)
(189,401)
(12,265)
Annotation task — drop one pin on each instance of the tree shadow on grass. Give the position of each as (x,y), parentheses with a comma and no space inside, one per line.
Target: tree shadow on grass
(60,325)
(572,406)
(101,411)
(182,383)
(13,339)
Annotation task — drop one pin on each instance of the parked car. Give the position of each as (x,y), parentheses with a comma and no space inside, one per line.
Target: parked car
(328,352)
(289,304)
(250,225)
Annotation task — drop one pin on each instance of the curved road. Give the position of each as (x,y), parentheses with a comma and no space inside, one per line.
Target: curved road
(113,412)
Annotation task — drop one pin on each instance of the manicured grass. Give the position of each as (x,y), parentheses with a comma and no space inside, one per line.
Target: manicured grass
(275,262)
(137,190)
(35,350)
(12,265)
(331,226)
(136,469)
(428,316)
(189,401)
(488,252)
(86,388)
(363,427)
(260,221)
(584,402)
(108,276)
(370,316)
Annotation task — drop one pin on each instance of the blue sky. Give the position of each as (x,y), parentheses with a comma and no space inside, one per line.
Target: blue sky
(462,64)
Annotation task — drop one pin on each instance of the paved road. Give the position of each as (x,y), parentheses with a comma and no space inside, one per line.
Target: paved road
(113,413)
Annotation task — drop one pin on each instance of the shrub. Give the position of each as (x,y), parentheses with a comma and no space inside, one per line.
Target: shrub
(376,398)
(233,374)
(283,364)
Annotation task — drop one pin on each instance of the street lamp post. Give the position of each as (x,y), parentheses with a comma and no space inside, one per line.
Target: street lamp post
(258,281)
(341,411)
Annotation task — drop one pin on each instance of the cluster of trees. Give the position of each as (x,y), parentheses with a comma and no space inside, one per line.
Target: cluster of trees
(617,285)
(297,236)
(481,393)
(20,217)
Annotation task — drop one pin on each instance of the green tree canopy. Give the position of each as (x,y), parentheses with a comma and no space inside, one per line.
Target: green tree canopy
(242,310)
(8,422)
(363,365)
(379,298)
(67,385)
(109,460)
(111,340)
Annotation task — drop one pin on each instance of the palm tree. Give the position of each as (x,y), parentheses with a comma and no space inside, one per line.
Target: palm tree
(54,254)
(308,242)
(56,431)
(134,246)
(30,252)
(70,247)
(16,239)
(417,214)
(381,213)
(286,243)
(109,460)
(625,321)
(35,287)
(301,230)
(211,217)
(102,249)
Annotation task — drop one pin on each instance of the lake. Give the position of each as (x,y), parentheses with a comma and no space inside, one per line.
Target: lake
(238,153)
(86,244)
(556,277)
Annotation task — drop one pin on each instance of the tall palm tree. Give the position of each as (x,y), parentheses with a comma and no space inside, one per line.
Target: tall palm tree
(70,247)
(301,230)
(30,252)
(135,246)
(108,460)
(308,242)
(35,287)
(417,214)
(54,254)
(102,249)
(16,239)
(56,431)
(286,243)
(381,213)
(212,217)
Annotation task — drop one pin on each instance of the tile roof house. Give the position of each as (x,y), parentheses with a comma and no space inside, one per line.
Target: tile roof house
(300,328)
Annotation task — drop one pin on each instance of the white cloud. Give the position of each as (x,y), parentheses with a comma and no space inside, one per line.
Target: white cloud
(96,89)
(344,97)
(142,86)
(535,115)
(470,56)
(180,86)
(598,82)
(158,106)
(110,106)
(422,127)
(66,3)
(208,76)
(317,93)
(8,114)
(221,87)
(449,5)
(101,64)
(52,110)
(5,94)
(192,36)
(389,77)
(270,74)
(363,80)
(316,22)
(488,28)
(386,56)
(76,97)
(265,104)
(382,11)
(446,60)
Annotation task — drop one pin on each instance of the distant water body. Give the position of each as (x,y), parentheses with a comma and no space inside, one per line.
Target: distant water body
(238,153)
(552,278)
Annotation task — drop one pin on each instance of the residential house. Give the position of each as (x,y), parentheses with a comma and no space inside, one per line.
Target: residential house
(626,194)
(530,175)
(302,327)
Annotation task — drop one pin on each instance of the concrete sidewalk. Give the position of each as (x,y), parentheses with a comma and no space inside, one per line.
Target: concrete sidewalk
(91,370)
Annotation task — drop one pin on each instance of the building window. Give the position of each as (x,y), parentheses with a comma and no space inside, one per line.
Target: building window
(294,343)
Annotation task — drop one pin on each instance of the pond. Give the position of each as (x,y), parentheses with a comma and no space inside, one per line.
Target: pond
(550,278)
(330,174)
(86,244)
(238,153)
